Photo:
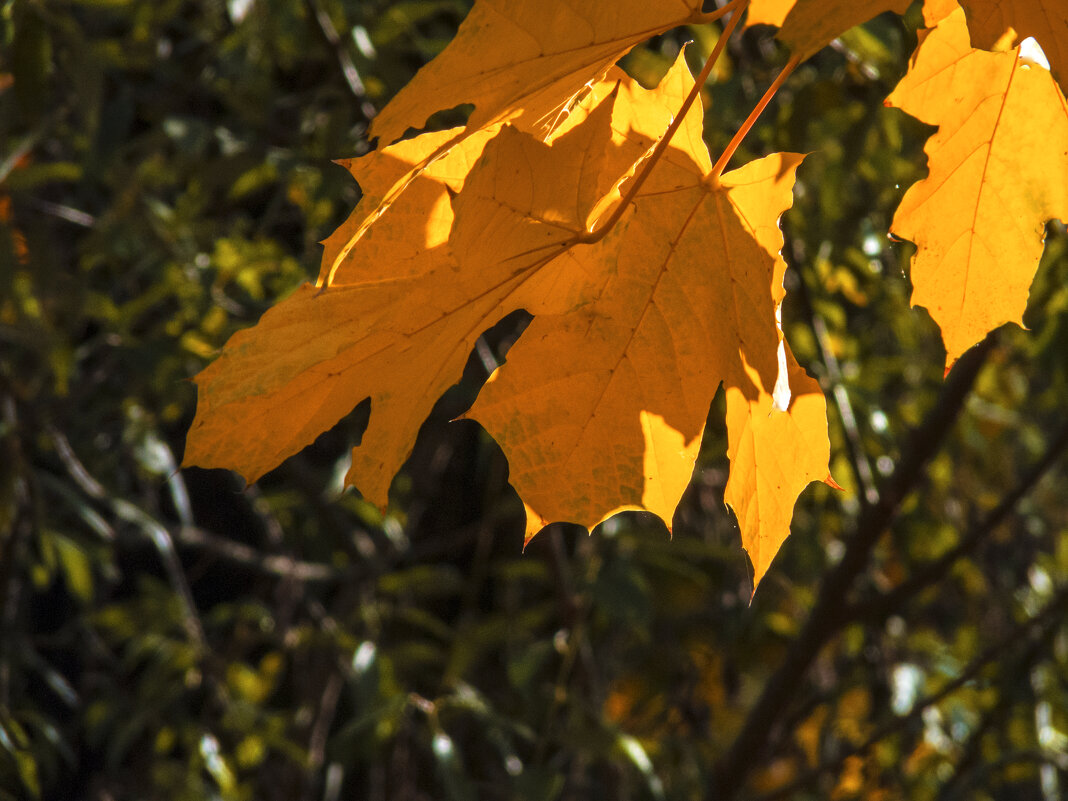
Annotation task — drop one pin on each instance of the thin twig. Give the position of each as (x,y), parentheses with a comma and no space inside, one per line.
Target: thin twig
(272,565)
(63,212)
(22,147)
(328,703)
(341,53)
(156,531)
(575,611)
(854,442)
(700,18)
(572,608)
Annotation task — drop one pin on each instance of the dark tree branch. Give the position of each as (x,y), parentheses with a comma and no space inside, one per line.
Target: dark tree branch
(14,535)
(854,441)
(272,565)
(1033,633)
(882,606)
(828,613)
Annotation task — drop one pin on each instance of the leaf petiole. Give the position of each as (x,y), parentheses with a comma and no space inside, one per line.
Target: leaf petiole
(737,6)
(717,168)
(700,18)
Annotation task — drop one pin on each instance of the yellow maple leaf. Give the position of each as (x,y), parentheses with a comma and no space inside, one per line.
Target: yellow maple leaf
(417,221)
(775,453)
(377,334)
(521,61)
(934,11)
(998,172)
(603,401)
(397,328)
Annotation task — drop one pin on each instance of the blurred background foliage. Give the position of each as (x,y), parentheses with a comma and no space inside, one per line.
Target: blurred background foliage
(165,176)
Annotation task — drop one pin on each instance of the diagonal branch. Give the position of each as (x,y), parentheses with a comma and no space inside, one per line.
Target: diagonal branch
(265,564)
(750,121)
(883,605)
(827,616)
(1031,632)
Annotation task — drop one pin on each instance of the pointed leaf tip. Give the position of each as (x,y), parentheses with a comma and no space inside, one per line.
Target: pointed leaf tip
(830,482)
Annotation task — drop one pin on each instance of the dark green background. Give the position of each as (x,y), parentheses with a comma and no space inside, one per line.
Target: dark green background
(165,176)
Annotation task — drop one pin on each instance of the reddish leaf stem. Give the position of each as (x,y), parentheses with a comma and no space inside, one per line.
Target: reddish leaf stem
(700,18)
(717,168)
(738,6)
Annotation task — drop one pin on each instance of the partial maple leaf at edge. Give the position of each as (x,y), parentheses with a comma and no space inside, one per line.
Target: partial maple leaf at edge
(523,60)
(680,296)
(806,26)
(998,172)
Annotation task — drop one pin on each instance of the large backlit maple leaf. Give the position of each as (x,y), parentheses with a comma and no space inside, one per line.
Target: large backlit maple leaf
(603,400)
(998,172)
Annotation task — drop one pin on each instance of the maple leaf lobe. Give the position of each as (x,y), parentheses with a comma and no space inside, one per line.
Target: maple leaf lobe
(997,168)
